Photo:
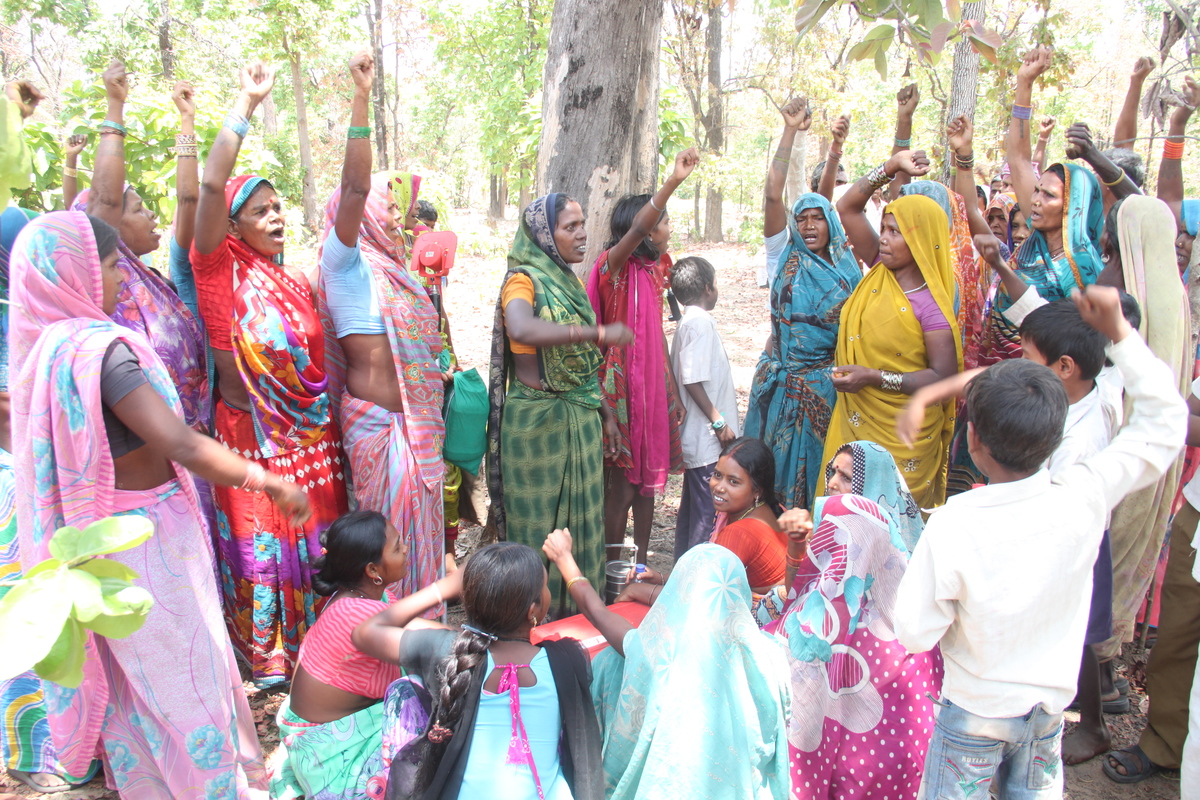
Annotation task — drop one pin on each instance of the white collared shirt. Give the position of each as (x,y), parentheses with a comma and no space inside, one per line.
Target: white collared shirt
(1002,575)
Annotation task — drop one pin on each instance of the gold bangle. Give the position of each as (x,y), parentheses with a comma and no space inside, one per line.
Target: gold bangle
(576,580)
(70,172)
(1120,177)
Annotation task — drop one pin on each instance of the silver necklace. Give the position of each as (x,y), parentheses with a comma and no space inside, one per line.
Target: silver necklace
(919,288)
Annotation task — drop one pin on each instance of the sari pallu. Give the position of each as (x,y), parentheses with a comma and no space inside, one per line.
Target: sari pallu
(1140,522)
(860,719)
(880,330)
(635,379)
(339,760)
(165,705)
(545,456)
(792,396)
(396,457)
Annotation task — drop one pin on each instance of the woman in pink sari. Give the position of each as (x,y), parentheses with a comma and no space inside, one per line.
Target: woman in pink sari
(98,432)
(641,430)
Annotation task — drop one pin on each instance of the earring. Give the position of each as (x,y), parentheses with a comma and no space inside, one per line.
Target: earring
(533,620)
(1104,258)
(378,581)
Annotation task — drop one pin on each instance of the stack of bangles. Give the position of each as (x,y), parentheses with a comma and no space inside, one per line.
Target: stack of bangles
(358,132)
(600,335)
(238,124)
(904,144)
(256,478)
(794,562)
(1022,112)
(576,580)
(890,381)
(1173,150)
(834,155)
(878,178)
(108,126)
(185,145)
(965,163)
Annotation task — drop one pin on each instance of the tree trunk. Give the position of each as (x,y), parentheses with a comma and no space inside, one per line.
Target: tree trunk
(165,48)
(525,196)
(797,177)
(495,200)
(600,106)
(270,116)
(379,88)
(716,121)
(306,161)
(963,83)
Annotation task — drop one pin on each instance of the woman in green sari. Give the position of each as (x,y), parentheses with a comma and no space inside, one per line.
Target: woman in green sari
(547,424)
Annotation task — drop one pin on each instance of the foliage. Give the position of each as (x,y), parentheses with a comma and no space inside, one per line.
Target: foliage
(45,616)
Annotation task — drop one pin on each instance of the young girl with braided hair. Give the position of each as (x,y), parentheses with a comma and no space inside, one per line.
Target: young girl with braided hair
(510,720)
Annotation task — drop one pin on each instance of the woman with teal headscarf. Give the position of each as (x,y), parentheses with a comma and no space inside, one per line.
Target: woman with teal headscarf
(792,396)
(692,703)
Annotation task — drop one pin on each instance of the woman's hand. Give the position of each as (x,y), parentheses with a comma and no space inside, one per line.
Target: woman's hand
(618,334)
(907,99)
(1036,62)
(1046,127)
(451,585)
(362,71)
(852,378)
(725,435)
(74,146)
(612,436)
(796,114)
(116,82)
(1079,142)
(960,134)
(257,80)
(25,95)
(557,548)
(184,96)
(1142,68)
(292,502)
(910,420)
(988,247)
(910,162)
(797,524)
(685,162)
(840,130)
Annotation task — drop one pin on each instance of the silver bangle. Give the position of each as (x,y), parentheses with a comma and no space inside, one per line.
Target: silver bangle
(656,208)
(877,178)
(890,381)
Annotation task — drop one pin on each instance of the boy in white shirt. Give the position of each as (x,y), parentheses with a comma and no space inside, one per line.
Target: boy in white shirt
(1001,578)
(702,368)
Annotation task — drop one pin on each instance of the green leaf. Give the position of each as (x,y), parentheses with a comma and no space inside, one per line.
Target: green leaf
(88,603)
(810,14)
(31,619)
(107,568)
(109,535)
(125,609)
(881,63)
(64,663)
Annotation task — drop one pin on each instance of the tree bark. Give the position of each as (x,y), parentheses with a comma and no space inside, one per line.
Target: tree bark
(797,178)
(270,116)
(963,83)
(716,121)
(309,198)
(165,49)
(600,107)
(379,88)
(497,191)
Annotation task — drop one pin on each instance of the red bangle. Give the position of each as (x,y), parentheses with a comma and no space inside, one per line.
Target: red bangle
(1173,150)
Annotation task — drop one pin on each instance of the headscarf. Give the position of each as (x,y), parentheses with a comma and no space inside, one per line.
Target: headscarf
(12,220)
(1191,216)
(1080,265)
(699,699)
(798,262)
(1006,171)
(151,306)
(541,220)
(878,479)
(1004,202)
(405,187)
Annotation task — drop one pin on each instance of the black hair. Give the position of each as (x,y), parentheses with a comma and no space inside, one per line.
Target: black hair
(1130,163)
(561,201)
(1131,310)
(980,193)
(690,277)
(759,462)
(263,184)
(622,220)
(818,171)
(1111,224)
(426,211)
(353,541)
(500,582)
(106,237)
(1017,409)
(1056,330)
(1060,171)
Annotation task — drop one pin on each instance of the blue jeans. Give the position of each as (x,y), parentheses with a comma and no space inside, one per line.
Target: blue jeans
(1023,755)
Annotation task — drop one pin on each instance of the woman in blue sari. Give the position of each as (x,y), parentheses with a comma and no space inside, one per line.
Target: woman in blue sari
(792,396)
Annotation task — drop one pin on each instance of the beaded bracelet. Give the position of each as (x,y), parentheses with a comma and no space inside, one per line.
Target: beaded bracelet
(115,127)
(904,144)
(1022,112)
(358,132)
(185,138)
(70,172)
(878,178)
(1173,150)
(186,151)
(238,124)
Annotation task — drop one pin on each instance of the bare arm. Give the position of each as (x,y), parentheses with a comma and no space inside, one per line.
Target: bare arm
(212,214)
(1045,128)
(941,352)
(907,100)
(647,219)
(1125,132)
(1018,147)
(356,171)
(710,412)
(1079,145)
(187,167)
(75,145)
(797,117)
(379,636)
(612,625)
(988,247)
(528,329)
(107,198)
(961,134)
(863,237)
(1193,434)
(908,424)
(1170,171)
(833,159)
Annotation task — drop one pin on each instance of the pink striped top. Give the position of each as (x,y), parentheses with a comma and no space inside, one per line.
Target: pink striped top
(329,656)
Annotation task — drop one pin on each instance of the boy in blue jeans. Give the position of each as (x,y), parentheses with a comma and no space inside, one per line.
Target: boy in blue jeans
(1002,576)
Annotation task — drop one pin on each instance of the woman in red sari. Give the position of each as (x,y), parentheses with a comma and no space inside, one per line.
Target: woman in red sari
(268,347)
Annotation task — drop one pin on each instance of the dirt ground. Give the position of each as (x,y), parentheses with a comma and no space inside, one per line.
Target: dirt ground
(743,320)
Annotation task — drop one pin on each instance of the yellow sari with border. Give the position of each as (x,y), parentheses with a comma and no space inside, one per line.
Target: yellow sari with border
(880,330)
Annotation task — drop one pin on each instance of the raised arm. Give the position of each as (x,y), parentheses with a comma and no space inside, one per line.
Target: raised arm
(797,117)
(212,214)
(1045,128)
(864,239)
(612,625)
(908,424)
(1080,145)
(1018,149)
(960,134)
(907,100)
(647,219)
(71,151)
(187,168)
(107,198)
(1125,132)
(379,636)
(988,247)
(1170,171)
(833,159)
(356,171)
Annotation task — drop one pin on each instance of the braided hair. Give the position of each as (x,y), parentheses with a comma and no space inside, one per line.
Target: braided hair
(500,583)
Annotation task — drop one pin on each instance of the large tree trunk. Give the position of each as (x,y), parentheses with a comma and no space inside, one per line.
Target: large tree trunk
(797,177)
(379,88)
(963,83)
(497,191)
(165,49)
(716,121)
(306,162)
(270,116)
(600,106)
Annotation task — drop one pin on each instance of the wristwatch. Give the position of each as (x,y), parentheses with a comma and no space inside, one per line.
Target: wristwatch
(719,424)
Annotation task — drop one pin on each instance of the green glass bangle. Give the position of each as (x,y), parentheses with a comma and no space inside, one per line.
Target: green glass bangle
(356,132)
(116,126)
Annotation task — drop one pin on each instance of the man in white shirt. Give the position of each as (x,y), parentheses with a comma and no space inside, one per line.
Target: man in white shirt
(1002,575)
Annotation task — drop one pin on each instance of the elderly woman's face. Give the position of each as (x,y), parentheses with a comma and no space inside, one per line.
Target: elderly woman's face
(570,236)
(1046,210)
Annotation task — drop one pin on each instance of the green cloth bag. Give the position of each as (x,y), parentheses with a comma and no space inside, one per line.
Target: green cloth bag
(466,421)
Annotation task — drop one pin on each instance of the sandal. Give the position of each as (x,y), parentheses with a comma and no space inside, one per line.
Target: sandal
(1111,705)
(1137,765)
(1121,685)
(27,778)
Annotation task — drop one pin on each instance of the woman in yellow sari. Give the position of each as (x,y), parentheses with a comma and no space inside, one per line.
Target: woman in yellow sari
(898,333)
